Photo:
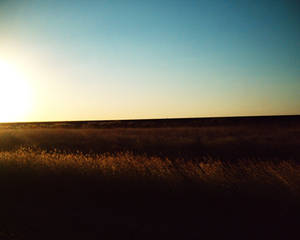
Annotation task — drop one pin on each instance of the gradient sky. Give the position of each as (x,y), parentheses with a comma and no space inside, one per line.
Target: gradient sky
(118,59)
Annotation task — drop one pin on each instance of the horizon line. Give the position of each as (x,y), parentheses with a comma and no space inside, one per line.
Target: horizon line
(150,119)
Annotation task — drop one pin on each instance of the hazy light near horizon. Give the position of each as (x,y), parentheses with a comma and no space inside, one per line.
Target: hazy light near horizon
(15,95)
(94,60)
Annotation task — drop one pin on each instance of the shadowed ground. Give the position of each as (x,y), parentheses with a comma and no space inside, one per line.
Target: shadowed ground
(230,181)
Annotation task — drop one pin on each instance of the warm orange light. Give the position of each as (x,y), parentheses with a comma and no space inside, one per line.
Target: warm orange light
(15,96)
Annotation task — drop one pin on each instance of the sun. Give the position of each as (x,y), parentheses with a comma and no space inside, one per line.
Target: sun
(14,94)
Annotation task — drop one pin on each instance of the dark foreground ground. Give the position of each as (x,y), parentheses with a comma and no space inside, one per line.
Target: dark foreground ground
(225,178)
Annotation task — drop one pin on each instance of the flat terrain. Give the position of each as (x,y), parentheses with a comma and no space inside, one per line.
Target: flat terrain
(229,178)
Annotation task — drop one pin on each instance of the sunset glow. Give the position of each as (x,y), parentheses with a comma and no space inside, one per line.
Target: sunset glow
(15,94)
(97,60)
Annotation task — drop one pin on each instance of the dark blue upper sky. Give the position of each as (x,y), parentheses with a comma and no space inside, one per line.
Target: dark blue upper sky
(143,59)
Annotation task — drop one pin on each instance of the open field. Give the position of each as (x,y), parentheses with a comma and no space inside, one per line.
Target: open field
(231,178)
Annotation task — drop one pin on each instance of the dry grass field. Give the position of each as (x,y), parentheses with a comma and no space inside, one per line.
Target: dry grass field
(233,178)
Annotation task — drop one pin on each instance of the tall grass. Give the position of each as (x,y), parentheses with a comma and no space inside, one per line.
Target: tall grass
(150,183)
(225,143)
(283,175)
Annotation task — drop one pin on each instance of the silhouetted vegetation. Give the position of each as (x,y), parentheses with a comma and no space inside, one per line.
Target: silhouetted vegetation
(183,181)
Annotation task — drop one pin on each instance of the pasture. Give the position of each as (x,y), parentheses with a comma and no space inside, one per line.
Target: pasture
(230,178)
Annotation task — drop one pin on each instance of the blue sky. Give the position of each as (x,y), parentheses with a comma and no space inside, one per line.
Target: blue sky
(154,59)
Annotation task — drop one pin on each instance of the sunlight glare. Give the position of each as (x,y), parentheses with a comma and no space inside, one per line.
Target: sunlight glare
(14,94)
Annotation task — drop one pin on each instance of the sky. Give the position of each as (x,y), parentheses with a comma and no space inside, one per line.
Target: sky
(121,59)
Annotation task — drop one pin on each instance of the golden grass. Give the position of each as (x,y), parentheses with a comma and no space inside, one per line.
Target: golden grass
(224,142)
(208,171)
